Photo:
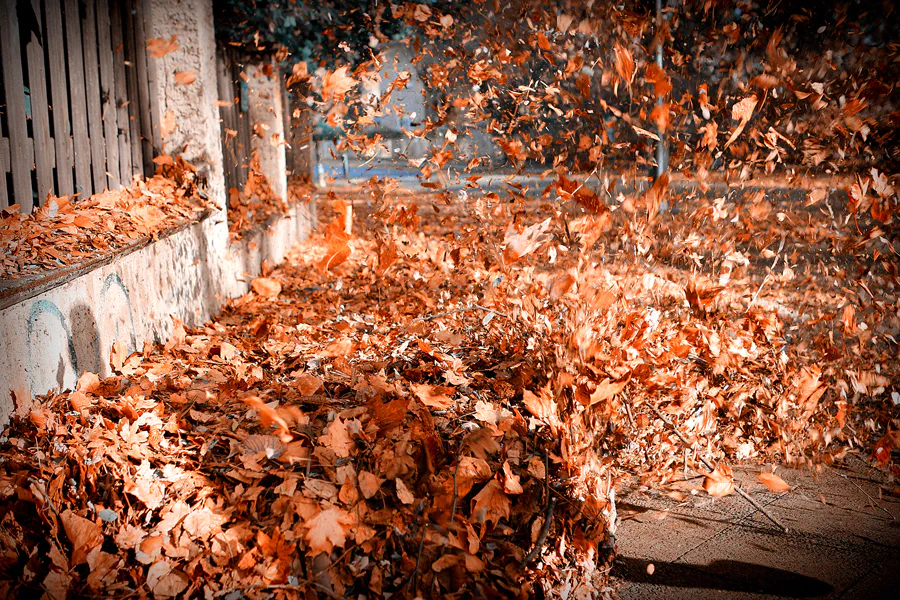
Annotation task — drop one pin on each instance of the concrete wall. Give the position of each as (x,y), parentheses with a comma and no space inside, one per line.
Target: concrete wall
(56,327)
(188,111)
(50,339)
(266,111)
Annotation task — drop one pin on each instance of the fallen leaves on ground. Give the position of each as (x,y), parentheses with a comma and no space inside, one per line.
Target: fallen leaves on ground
(404,430)
(64,232)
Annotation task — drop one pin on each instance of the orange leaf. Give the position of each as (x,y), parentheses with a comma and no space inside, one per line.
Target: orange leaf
(606,390)
(269,416)
(185,77)
(369,484)
(773,482)
(403,493)
(308,384)
(434,396)
(266,287)
(718,484)
(328,529)
(159,47)
(84,534)
(491,503)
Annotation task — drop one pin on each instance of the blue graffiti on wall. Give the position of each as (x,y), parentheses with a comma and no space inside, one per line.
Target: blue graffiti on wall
(114,279)
(39,308)
(88,330)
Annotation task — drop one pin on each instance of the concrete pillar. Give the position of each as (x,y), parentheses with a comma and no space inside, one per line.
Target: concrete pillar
(185,88)
(266,110)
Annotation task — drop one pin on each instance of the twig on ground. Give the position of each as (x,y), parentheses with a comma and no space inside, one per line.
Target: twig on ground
(871,499)
(469,308)
(545,529)
(455,492)
(415,575)
(711,468)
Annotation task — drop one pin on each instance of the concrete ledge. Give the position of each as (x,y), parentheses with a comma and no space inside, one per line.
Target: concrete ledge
(55,329)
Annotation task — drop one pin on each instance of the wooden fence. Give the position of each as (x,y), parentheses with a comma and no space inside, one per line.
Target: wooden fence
(235,117)
(75,101)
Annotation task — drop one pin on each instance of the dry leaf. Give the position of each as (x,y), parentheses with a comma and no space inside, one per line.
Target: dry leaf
(336,84)
(159,47)
(328,529)
(741,111)
(491,503)
(308,384)
(718,483)
(773,482)
(403,493)
(434,396)
(85,535)
(185,77)
(266,287)
(369,484)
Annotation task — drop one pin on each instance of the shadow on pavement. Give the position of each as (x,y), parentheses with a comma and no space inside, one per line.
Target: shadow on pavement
(728,575)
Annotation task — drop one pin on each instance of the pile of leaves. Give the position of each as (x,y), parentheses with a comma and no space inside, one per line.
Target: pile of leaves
(443,398)
(63,232)
(257,202)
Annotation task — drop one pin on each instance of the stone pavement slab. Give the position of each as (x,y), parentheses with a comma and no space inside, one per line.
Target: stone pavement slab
(844,539)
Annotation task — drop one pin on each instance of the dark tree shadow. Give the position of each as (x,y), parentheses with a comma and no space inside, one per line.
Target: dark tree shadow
(85,338)
(728,575)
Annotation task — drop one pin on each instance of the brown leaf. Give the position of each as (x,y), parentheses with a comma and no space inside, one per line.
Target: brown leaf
(308,384)
(434,396)
(336,84)
(268,416)
(403,493)
(517,245)
(328,529)
(185,77)
(337,438)
(718,483)
(85,535)
(369,484)
(266,287)
(491,503)
(164,580)
(543,407)
(624,64)
(741,111)
(606,389)
(159,47)
(773,482)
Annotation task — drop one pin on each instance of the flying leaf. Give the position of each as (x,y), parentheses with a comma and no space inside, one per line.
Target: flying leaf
(266,287)
(718,484)
(741,111)
(159,47)
(336,84)
(773,482)
(518,245)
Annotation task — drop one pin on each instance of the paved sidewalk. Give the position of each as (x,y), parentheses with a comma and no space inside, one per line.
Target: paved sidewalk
(844,539)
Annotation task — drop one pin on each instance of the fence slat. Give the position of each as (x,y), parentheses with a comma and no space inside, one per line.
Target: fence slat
(14,86)
(78,104)
(140,41)
(59,92)
(40,118)
(92,87)
(152,81)
(4,169)
(118,57)
(131,80)
(108,108)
